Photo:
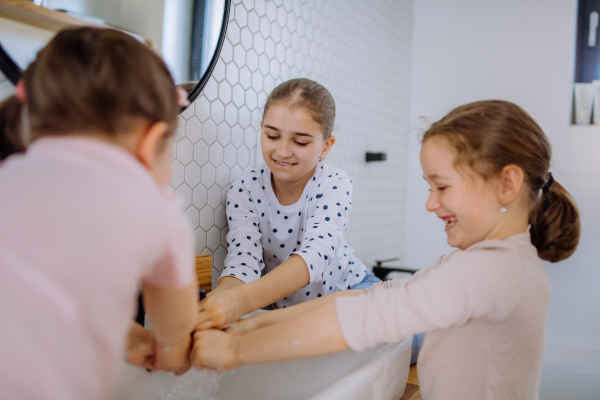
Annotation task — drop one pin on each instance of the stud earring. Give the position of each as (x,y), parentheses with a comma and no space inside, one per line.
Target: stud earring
(502,209)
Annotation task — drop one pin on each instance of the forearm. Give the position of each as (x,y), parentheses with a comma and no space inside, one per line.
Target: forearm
(226,283)
(285,314)
(172,312)
(289,277)
(295,339)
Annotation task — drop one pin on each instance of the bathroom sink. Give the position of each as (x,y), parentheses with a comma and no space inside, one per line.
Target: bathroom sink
(379,373)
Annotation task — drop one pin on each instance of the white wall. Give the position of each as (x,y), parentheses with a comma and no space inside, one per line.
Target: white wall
(522,51)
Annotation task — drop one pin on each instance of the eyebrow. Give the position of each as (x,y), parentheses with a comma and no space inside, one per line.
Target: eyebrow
(433,177)
(295,133)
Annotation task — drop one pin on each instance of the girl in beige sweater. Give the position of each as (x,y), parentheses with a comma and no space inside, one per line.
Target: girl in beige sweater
(484,306)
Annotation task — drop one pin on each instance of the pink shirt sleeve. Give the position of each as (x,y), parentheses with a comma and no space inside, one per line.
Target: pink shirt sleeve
(481,283)
(175,268)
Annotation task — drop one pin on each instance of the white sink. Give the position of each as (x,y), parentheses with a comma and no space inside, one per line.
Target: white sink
(379,373)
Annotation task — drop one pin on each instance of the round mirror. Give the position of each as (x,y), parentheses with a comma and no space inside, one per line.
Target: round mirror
(188,34)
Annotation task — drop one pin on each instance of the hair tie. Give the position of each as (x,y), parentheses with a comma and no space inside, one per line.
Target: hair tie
(20,91)
(182,97)
(548,183)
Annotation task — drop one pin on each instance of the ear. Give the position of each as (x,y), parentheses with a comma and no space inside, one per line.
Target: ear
(328,144)
(511,182)
(148,144)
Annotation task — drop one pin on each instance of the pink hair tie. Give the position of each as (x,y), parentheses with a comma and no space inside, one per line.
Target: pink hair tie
(182,98)
(20,92)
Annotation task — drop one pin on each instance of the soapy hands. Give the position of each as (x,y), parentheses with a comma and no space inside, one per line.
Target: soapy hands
(214,349)
(221,309)
(143,350)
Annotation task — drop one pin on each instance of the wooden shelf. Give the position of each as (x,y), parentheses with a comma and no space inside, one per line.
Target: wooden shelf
(204,271)
(51,20)
(28,13)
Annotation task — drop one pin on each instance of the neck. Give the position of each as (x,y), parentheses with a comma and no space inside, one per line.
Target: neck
(289,192)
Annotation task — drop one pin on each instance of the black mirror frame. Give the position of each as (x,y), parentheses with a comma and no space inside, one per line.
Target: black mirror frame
(14,73)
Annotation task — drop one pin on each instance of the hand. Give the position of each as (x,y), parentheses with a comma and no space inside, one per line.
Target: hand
(174,358)
(221,309)
(244,325)
(214,349)
(140,349)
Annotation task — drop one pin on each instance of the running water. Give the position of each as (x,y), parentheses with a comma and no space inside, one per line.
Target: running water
(193,385)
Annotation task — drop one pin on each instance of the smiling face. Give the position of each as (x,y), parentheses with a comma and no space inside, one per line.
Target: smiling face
(466,202)
(292,143)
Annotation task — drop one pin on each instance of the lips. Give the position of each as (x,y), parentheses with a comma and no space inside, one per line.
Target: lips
(449,220)
(283,164)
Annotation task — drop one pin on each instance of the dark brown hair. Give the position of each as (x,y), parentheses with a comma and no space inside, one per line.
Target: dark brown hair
(10,123)
(311,96)
(488,135)
(97,80)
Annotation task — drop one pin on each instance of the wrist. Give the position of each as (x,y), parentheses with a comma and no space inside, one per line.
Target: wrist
(236,350)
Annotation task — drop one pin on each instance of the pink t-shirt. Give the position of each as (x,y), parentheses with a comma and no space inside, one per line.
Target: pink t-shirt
(82,224)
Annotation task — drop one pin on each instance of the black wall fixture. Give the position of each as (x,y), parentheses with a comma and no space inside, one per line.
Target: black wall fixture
(375,157)
(9,68)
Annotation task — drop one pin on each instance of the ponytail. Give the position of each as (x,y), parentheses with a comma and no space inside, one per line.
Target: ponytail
(10,123)
(555,225)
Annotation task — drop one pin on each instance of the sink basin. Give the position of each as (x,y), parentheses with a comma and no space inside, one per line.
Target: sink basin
(379,373)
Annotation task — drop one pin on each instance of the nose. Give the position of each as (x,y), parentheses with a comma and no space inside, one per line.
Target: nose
(284,150)
(432,202)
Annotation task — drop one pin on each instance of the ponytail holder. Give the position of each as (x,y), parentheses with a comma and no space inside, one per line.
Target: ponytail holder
(548,183)
(20,93)
(182,98)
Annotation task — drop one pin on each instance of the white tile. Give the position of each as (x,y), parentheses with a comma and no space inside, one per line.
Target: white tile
(231,114)
(246,38)
(275,32)
(209,132)
(199,196)
(214,196)
(201,153)
(223,134)
(250,136)
(271,11)
(238,95)
(282,17)
(217,112)
(233,33)
(249,4)
(259,43)
(269,47)
(216,154)
(243,157)
(222,176)
(207,218)
(192,215)
(211,91)
(226,55)
(199,239)
(245,78)
(237,136)
(225,92)
(185,151)
(253,21)
(184,192)
(177,174)
(251,99)
(244,117)
(239,55)
(208,175)
(241,15)
(220,217)
(260,7)
(219,71)
(257,77)
(232,73)
(202,108)
(193,130)
(219,258)
(192,175)
(187,113)
(230,155)
(252,60)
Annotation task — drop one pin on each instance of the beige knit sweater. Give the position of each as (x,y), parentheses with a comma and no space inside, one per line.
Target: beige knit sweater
(484,311)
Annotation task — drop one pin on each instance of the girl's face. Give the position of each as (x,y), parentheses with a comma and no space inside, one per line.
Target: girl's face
(466,202)
(292,143)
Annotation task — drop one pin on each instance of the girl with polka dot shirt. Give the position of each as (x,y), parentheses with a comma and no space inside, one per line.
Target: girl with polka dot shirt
(287,218)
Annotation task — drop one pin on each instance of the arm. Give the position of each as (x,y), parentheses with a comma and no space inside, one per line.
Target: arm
(278,316)
(295,339)
(172,312)
(226,307)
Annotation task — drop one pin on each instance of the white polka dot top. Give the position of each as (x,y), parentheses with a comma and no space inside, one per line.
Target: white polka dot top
(263,233)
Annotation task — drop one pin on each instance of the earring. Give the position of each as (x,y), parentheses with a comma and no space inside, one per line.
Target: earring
(502,209)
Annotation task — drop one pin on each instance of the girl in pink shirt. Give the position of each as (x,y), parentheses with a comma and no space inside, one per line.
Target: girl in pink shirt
(484,306)
(85,218)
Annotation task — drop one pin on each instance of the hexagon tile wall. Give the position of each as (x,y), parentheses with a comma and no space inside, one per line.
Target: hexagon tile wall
(361,51)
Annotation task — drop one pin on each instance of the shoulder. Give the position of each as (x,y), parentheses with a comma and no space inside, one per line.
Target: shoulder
(326,174)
